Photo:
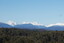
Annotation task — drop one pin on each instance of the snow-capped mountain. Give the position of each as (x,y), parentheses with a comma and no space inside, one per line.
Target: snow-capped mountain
(29,26)
(58,27)
(21,26)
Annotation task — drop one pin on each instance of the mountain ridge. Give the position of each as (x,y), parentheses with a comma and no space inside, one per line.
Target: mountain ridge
(31,26)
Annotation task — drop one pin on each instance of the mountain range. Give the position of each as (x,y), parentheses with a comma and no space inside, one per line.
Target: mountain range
(31,26)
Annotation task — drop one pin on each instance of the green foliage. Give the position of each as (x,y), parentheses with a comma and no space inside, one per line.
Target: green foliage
(12,35)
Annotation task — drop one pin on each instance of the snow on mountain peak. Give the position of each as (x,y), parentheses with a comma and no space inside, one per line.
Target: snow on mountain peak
(58,24)
(11,23)
(34,23)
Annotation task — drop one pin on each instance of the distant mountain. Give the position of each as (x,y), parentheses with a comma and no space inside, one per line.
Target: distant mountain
(3,25)
(56,27)
(29,26)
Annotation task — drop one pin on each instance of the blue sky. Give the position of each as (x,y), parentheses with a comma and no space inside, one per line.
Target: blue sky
(42,11)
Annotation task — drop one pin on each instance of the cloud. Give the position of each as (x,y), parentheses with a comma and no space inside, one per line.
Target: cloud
(11,23)
(34,23)
(59,24)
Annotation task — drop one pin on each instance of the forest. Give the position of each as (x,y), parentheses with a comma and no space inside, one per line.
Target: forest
(13,35)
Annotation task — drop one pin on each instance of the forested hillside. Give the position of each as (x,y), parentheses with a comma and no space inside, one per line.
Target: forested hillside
(12,35)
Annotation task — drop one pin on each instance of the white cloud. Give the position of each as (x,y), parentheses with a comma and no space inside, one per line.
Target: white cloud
(59,24)
(34,23)
(11,23)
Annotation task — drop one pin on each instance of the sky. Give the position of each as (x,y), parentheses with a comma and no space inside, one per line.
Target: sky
(41,11)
